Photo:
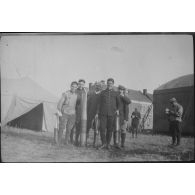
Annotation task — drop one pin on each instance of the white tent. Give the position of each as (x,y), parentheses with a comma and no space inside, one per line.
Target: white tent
(25,104)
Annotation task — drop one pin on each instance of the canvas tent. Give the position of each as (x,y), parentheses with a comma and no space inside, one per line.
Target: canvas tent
(25,104)
(182,89)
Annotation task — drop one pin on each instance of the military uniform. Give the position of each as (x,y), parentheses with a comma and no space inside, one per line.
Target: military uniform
(175,119)
(109,104)
(93,101)
(124,102)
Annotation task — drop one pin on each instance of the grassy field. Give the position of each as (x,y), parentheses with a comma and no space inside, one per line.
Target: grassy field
(20,145)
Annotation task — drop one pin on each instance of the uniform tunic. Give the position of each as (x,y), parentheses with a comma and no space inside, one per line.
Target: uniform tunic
(176,114)
(109,104)
(79,92)
(124,112)
(93,101)
(124,108)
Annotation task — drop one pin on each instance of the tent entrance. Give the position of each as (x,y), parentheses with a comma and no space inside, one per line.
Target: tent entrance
(32,120)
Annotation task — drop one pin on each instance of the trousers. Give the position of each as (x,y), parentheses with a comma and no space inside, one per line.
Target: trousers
(78,131)
(66,122)
(175,130)
(106,128)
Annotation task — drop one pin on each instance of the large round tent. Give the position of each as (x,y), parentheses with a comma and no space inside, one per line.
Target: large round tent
(182,89)
(27,105)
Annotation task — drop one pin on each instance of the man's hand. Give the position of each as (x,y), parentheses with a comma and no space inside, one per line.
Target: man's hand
(167,111)
(117,112)
(59,113)
(171,112)
(85,90)
(122,94)
(96,116)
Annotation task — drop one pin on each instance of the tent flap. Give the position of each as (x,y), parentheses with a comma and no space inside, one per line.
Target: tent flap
(31,120)
(27,105)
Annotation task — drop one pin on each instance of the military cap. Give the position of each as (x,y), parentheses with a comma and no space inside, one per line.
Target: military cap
(121,87)
(82,80)
(172,100)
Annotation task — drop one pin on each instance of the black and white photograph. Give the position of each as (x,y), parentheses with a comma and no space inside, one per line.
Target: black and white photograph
(97,97)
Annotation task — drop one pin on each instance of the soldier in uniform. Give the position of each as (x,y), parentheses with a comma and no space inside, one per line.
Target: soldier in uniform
(136,116)
(175,119)
(123,116)
(80,90)
(67,108)
(92,107)
(107,109)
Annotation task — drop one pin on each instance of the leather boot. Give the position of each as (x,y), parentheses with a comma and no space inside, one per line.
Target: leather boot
(108,137)
(173,140)
(178,140)
(114,137)
(123,136)
(77,140)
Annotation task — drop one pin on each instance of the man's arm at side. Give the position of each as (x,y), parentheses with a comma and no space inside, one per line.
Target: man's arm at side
(98,104)
(61,101)
(78,101)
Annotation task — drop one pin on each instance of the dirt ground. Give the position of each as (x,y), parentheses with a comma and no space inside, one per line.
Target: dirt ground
(20,145)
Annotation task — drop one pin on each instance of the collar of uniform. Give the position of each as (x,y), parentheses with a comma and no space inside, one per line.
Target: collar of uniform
(109,89)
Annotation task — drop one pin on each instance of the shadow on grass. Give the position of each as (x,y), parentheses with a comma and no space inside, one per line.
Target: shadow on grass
(30,135)
(167,155)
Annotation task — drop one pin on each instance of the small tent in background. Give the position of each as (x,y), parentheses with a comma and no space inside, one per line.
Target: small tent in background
(25,104)
(182,89)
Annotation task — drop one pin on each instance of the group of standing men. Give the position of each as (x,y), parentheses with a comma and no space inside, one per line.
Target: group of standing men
(106,105)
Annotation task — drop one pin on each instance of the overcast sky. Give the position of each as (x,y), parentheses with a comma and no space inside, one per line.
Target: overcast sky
(135,61)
